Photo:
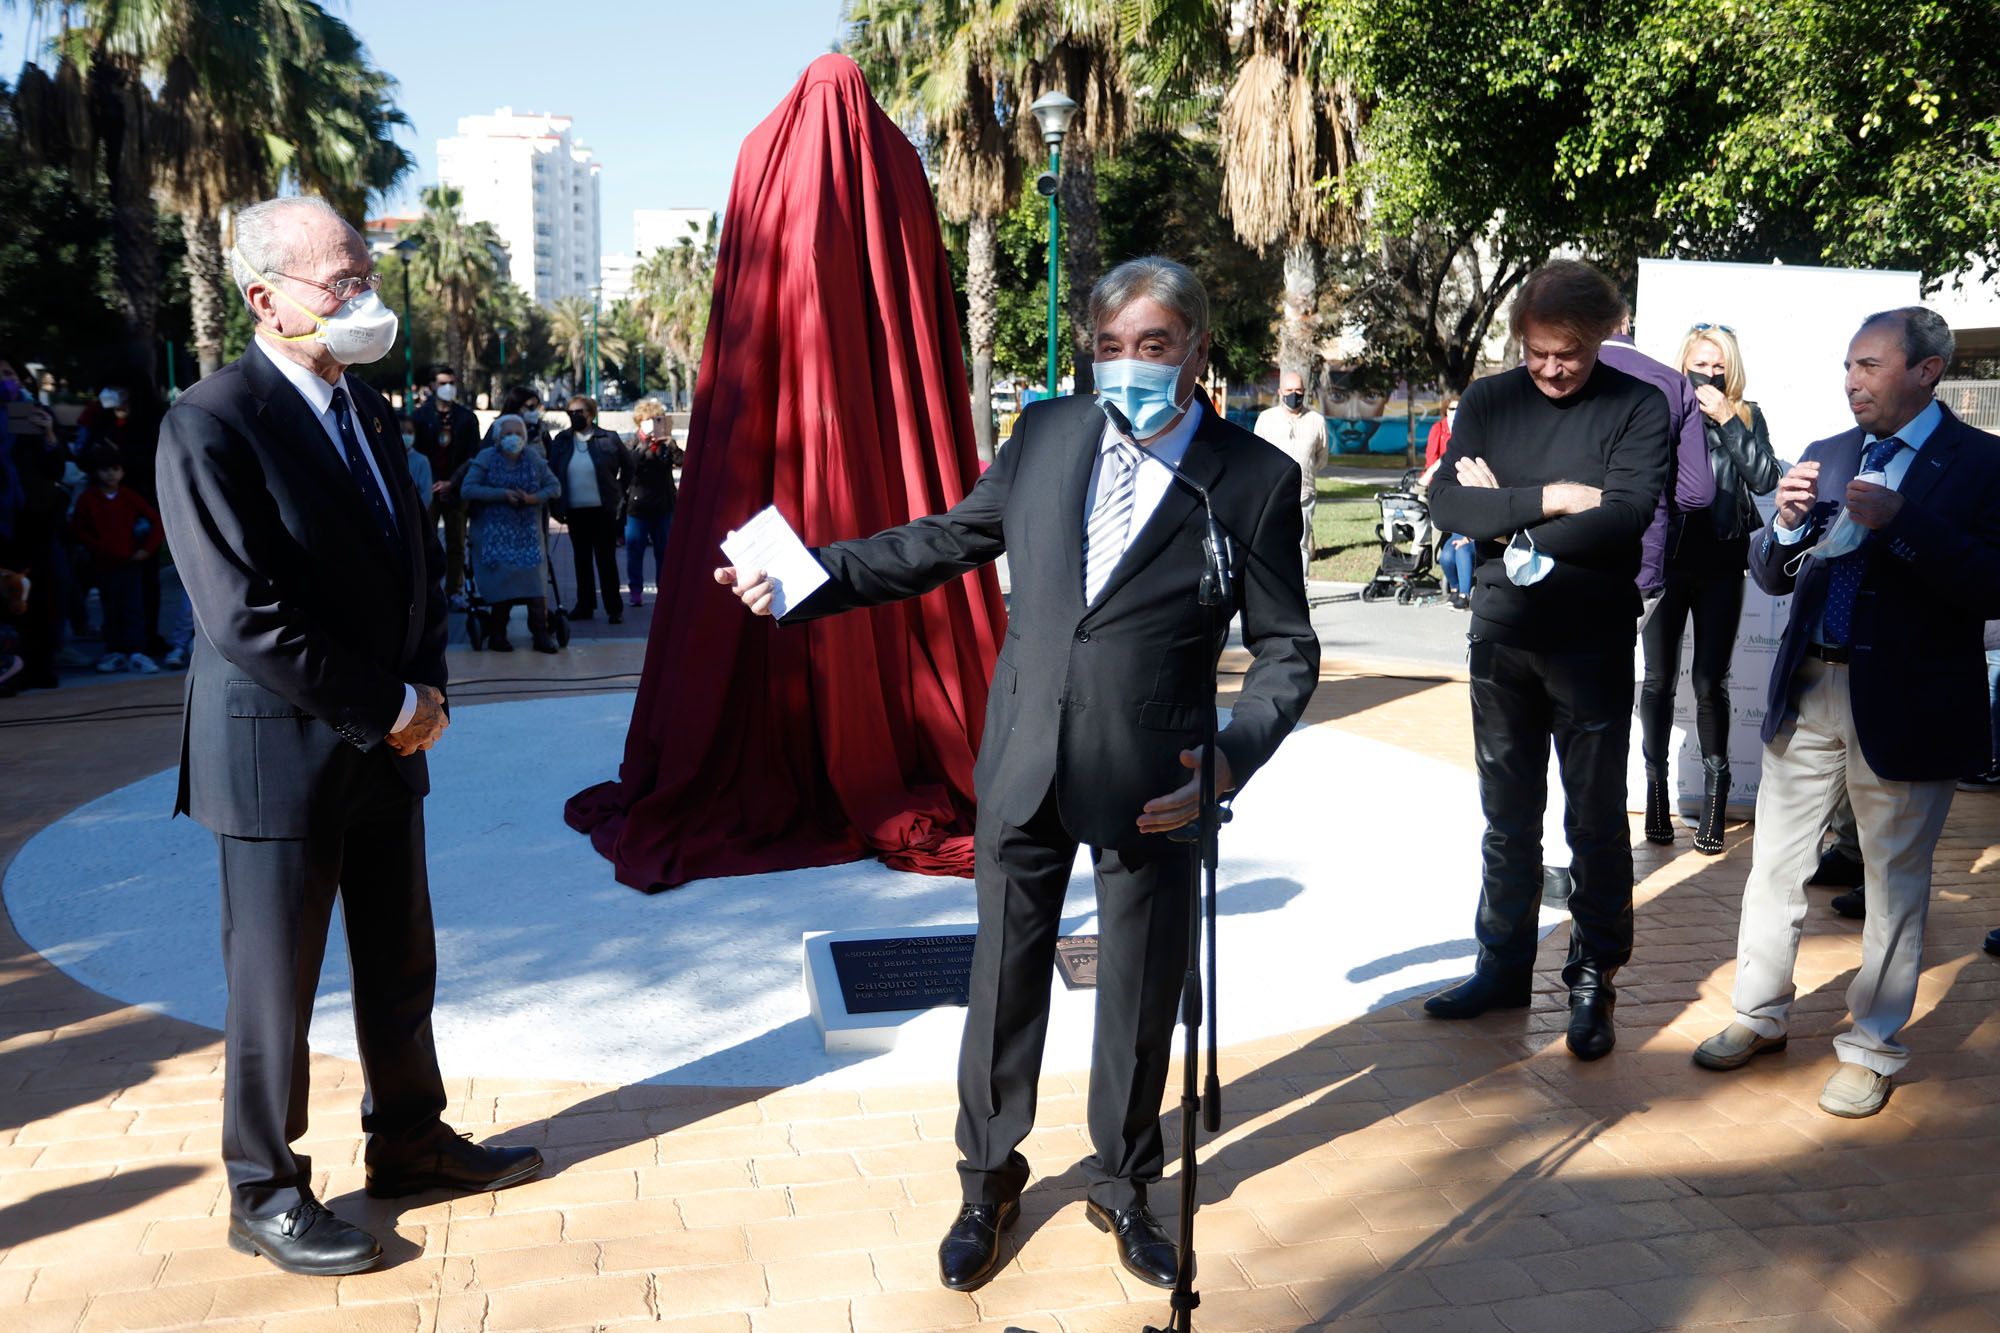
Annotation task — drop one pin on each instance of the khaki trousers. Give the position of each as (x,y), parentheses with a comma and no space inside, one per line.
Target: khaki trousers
(1816,757)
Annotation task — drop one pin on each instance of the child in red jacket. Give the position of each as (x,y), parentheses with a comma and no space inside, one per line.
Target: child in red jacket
(120,531)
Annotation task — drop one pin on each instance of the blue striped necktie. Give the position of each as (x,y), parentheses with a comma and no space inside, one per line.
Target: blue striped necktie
(357,465)
(1837,628)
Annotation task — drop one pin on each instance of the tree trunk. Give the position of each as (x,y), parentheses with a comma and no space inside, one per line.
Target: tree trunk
(982,318)
(208,287)
(1298,337)
(1083,258)
(118,103)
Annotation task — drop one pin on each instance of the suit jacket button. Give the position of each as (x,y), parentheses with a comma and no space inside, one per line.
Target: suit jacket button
(1083,636)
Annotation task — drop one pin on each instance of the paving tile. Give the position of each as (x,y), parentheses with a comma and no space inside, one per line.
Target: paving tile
(567,1304)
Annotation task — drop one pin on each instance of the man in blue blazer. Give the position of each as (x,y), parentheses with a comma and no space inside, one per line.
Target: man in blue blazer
(1879,689)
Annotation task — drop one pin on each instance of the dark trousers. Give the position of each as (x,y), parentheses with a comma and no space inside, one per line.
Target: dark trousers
(121,592)
(1704,586)
(277,900)
(593,539)
(1521,701)
(1021,876)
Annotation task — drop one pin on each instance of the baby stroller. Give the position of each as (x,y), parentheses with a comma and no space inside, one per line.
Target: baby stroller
(1409,547)
(480,617)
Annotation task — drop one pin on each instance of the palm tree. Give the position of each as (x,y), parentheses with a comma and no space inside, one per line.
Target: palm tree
(672,293)
(458,262)
(946,70)
(1079,48)
(251,93)
(570,333)
(1287,139)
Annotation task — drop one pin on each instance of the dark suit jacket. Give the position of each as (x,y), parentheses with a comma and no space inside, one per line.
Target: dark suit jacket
(1918,671)
(614,469)
(1102,700)
(309,622)
(465,439)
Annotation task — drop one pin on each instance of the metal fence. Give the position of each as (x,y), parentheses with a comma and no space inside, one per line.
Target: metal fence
(1975,402)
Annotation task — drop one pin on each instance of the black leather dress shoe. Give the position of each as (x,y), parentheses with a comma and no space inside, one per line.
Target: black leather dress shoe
(444,1160)
(971,1248)
(308,1240)
(1591,1035)
(1143,1246)
(1479,992)
(1993,941)
(1853,904)
(1837,870)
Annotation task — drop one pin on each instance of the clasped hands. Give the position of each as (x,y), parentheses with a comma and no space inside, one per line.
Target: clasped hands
(428,723)
(1873,507)
(1563,497)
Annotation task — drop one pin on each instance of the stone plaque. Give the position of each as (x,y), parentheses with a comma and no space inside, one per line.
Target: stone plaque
(920,972)
(1077,956)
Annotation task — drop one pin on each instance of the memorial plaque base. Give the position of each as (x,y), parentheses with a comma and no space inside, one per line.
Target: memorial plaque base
(864,986)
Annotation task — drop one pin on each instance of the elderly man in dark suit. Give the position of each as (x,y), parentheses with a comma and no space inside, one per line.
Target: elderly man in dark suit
(1096,700)
(316,686)
(1879,689)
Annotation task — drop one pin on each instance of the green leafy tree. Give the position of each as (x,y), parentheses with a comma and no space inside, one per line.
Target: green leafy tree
(570,330)
(458,264)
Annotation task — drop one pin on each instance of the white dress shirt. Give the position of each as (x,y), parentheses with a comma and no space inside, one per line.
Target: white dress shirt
(319,397)
(1149,483)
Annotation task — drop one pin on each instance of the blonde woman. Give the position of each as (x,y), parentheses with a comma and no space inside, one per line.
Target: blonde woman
(1707,555)
(649,498)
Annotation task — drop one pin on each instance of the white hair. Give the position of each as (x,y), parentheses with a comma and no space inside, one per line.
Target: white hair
(264,238)
(1173,285)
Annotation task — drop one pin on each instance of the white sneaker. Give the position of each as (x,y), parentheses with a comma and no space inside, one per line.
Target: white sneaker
(142,664)
(175,660)
(111,663)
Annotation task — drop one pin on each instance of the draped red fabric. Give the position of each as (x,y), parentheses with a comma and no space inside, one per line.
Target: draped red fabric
(833,386)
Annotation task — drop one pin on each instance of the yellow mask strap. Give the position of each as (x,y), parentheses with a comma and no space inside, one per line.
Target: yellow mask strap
(276,290)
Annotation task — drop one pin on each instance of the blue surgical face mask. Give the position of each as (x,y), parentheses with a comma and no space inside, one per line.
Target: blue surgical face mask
(511,444)
(1143,391)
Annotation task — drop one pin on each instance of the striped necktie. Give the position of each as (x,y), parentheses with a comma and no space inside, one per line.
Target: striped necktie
(1836,627)
(1104,536)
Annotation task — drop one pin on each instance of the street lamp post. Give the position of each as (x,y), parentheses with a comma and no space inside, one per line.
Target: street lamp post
(404,250)
(594,291)
(503,358)
(1053,112)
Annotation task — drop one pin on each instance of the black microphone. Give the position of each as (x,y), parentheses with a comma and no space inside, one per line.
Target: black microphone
(1213,545)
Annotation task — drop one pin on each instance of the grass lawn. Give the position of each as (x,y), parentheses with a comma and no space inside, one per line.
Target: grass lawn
(1345,547)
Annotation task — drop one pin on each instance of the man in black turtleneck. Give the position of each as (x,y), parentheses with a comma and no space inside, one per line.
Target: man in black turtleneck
(1555,468)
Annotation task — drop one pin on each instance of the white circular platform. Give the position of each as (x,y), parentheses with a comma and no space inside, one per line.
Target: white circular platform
(1349,879)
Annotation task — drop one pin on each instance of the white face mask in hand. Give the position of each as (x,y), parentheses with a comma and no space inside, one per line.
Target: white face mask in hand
(1842,537)
(1524,564)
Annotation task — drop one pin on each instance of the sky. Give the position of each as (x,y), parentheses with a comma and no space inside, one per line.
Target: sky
(662,91)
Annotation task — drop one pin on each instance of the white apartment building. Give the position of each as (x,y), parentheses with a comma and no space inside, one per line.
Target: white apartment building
(617,278)
(656,228)
(537,184)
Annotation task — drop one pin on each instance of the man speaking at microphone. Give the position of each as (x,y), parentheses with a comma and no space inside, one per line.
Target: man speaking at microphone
(1095,704)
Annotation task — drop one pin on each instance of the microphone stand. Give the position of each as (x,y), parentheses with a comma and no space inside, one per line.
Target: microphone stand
(1216,595)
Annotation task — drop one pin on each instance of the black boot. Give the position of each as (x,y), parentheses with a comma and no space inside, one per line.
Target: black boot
(1714,797)
(1659,813)
(1479,992)
(1591,1000)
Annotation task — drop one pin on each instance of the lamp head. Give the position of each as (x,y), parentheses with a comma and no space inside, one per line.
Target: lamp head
(1053,112)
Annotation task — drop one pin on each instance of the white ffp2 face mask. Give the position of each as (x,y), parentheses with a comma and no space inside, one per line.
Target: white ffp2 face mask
(1524,564)
(1842,537)
(361,331)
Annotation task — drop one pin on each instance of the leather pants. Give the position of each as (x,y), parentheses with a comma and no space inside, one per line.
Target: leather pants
(1521,702)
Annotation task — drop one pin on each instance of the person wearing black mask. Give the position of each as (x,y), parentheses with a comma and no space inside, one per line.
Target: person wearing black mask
(594,470)
(1301,433)
(448,435)
(1707,554)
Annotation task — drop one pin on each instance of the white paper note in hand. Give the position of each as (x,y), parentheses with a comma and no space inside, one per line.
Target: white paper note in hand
(768,543)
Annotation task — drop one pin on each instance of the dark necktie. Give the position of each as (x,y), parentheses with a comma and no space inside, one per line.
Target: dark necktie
(357,464)
(1838,626)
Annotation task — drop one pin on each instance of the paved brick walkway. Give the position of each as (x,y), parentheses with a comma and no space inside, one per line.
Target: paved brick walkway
(1392,1172)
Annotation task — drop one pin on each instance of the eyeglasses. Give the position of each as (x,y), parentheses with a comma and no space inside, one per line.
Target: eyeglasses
(1704,328)
(343,289)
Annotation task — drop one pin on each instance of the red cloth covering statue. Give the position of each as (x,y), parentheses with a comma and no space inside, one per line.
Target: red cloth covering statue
(833,386)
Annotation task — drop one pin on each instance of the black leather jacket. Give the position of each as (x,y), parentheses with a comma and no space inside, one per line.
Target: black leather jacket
(1744,467)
